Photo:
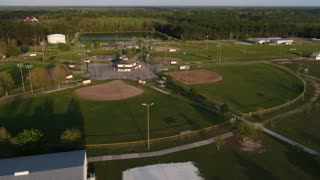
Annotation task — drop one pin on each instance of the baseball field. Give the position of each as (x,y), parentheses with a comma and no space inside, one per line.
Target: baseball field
(250,87)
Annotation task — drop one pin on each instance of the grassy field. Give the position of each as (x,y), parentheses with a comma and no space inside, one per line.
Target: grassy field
(302,127)
(105,121)
(233,51)
(314,67)
(251,87)
(278,161)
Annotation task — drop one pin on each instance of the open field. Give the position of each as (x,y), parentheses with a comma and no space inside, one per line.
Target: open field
(277,161)
(251,87)
(302,127)
(105,121)
(314,67)
(235,51)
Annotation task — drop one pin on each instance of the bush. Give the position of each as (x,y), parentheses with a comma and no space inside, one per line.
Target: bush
(4,134)
(224,108)
(70,136)
(27,136)
(246,131)
(63,47)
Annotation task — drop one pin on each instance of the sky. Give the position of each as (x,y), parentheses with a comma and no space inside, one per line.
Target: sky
(159,2)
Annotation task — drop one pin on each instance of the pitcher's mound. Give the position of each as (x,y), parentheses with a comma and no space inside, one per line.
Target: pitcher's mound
(196,76)
(114,90)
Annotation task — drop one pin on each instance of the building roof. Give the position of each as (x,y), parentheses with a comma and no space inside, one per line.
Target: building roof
(42,163)
(57,35)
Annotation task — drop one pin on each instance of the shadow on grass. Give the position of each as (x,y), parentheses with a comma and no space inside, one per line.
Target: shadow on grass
(41,114)
(252,169)
(304,161)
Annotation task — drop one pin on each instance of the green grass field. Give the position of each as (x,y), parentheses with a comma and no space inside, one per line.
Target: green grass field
(232,52)
(302,127)
(105,121)
(251,87)
(278,161)
(314,67)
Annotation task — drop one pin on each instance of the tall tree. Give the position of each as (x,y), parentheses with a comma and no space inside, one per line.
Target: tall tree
(58,75)
(40,78)
(6,82)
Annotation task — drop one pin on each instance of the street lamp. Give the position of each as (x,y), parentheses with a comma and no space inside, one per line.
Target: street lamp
(148,124)
(20,65)
(29,66)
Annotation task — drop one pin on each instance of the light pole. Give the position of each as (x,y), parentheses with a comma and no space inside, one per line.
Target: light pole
(207,43)
(20,65)
(148,124)
(34,43)
(42,46)
(29,66)
(84,57)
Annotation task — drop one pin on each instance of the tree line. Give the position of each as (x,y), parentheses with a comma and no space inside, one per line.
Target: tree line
(183,23)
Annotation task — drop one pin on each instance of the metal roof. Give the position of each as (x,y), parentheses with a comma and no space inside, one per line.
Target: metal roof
(41,165)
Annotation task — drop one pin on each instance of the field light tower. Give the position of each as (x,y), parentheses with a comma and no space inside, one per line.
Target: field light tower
(148,124)
(29,66)
(20,65)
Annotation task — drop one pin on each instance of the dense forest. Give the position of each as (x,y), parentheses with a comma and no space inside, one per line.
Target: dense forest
(183,23)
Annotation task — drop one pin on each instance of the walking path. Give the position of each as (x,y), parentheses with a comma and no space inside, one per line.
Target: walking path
(160,90)
(314,98)
(159,153)
(278,136)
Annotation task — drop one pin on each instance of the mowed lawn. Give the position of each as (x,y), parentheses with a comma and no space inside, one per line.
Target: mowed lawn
(302,127)
(233,52)
(277,161)
(251,87)
(314,67)
(105,121)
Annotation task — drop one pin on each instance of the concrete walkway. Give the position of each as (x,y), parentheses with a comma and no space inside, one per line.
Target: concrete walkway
(159,153)
(278,136)
(160,90)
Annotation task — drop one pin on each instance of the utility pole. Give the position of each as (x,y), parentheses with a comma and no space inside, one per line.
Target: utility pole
(148,122)
(29,66)
(20,65)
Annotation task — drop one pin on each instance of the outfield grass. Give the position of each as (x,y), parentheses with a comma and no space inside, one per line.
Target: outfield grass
(251,87)
(238,52)
(302,127)
(105,121)
(278,161)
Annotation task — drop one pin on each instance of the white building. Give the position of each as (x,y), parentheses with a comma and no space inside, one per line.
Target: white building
(316,55)
(127,66)
(63,166)
(56,38)
(282,41)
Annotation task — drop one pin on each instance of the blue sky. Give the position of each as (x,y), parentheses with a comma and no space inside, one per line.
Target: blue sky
(161,2)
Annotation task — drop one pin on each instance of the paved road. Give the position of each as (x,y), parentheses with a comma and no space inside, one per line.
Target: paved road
(158,153)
